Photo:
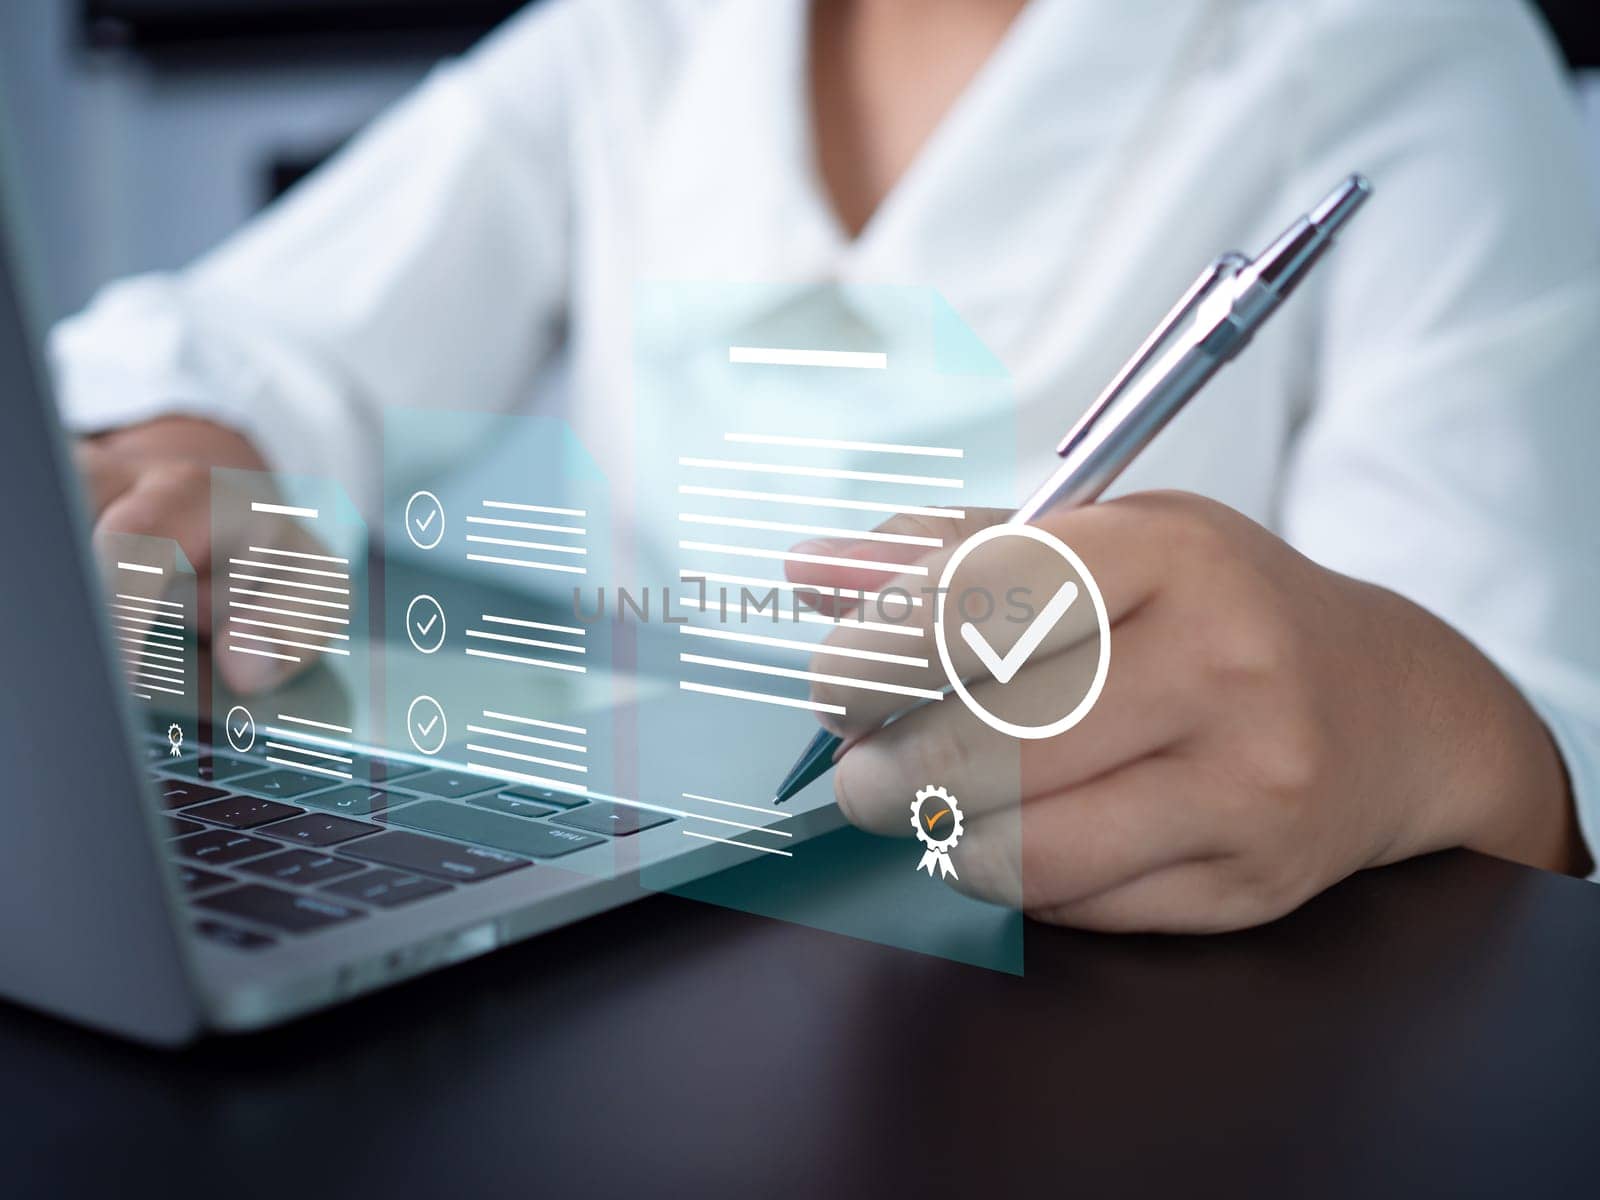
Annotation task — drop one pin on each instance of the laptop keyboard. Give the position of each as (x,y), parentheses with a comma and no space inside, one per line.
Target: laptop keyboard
(266,854)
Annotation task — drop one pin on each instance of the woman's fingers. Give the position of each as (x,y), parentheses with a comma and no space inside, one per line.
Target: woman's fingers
(129,495)
(1141,711)
(1202,896)
(1011,589)
(172,503)
(837,570)
(105,476)
(1100,835)
(245,623)
(178,502)
(156,480)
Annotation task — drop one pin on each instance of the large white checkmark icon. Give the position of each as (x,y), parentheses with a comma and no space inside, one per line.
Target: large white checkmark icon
(423,627)
(425,730)
(422,526)
(1004,669)
(238,731)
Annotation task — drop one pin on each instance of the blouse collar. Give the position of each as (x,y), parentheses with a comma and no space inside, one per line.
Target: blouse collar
(991,210)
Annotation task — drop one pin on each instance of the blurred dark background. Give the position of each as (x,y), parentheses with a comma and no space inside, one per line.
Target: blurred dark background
(147,129)
(173,23)
(169,25)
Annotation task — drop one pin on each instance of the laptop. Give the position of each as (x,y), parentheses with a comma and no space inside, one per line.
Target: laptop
(161,883)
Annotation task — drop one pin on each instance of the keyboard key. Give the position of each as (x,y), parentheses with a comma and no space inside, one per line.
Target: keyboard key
(452,785)
(224,768)
(429,856)
(242,812)
(517,806)
(355,799)
(284,784)
(545,796)
(491,829)
(197,879)
(188,767)
(219,768)
(233,936)
(555,841)
(159,754)
(319,829)
(178,827)
(301,867)
(179,793)
(615,820)
(287,911)
(386,888)
(385,770)
(219,846)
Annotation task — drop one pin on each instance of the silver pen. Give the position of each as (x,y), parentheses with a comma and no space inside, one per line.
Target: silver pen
(1223,308)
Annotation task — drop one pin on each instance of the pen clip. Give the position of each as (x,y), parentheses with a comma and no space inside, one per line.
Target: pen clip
(1222,268)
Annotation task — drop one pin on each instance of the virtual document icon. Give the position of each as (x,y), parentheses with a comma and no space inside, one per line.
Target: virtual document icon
(290,607)
(485,549)
(776,426)
(152,609)
(782,422)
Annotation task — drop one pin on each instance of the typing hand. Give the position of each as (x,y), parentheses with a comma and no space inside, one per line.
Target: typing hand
(1267,727)
(154,479)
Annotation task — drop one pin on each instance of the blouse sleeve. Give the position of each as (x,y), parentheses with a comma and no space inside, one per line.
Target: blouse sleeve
(425,266)
(1450,450)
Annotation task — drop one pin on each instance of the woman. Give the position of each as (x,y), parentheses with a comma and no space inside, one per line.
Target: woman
(1357,626)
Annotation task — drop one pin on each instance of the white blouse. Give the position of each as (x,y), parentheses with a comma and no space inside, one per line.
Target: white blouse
(1422,415)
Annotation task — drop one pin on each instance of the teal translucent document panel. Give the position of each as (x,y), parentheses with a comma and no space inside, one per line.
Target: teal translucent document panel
(291,604)
(151,601)
(490,663)
(766,417)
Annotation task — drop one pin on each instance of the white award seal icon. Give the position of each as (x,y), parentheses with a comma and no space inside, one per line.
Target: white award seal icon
(937,820)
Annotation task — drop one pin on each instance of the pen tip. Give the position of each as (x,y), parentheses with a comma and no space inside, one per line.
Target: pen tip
(812,764)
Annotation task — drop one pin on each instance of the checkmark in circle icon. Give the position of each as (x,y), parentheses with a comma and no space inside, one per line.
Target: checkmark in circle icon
(426,727)
(241,728)
(1004,667)
(424,520)
(425,623)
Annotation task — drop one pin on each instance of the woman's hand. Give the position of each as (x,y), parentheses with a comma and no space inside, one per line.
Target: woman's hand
(1267,727)
(154,479)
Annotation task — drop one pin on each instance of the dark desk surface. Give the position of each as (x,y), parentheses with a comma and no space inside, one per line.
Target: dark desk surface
(1431,1029)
